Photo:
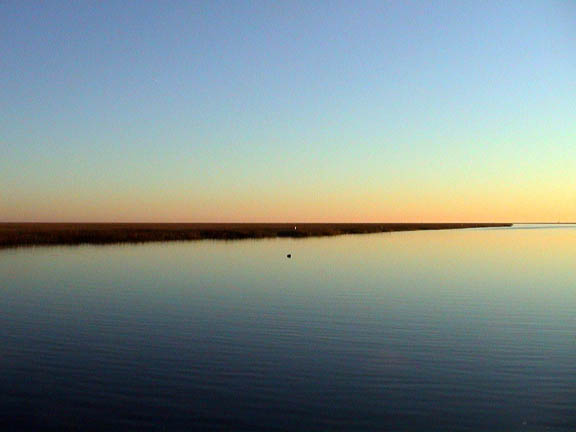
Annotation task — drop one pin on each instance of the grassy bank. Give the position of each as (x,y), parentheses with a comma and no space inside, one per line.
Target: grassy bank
(32,234)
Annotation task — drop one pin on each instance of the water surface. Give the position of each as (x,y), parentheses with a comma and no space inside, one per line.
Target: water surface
(466,330)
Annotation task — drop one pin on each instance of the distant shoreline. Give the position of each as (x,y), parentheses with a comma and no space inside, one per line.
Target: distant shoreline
(38,234)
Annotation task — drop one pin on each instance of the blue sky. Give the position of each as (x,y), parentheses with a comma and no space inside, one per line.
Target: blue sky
(289,110)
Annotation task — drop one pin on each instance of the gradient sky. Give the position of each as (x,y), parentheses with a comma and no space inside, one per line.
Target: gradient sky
(288,110)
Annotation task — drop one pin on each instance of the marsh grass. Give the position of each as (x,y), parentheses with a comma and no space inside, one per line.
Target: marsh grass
(33,234)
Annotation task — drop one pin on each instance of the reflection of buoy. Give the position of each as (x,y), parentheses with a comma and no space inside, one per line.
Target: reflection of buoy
(289,255)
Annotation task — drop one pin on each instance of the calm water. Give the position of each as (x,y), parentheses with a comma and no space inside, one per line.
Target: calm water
(471,330)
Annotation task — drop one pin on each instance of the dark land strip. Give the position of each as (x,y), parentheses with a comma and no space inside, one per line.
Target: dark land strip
(36,234)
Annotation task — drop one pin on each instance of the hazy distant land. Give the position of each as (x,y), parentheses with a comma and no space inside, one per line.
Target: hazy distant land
(31,234)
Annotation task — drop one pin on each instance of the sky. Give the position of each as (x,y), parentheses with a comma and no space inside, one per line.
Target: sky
(271,111)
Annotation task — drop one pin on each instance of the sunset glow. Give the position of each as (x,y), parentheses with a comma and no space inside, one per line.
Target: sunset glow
(288,111)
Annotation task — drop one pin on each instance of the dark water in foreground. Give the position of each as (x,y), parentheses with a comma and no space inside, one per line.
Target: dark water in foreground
(471,330)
